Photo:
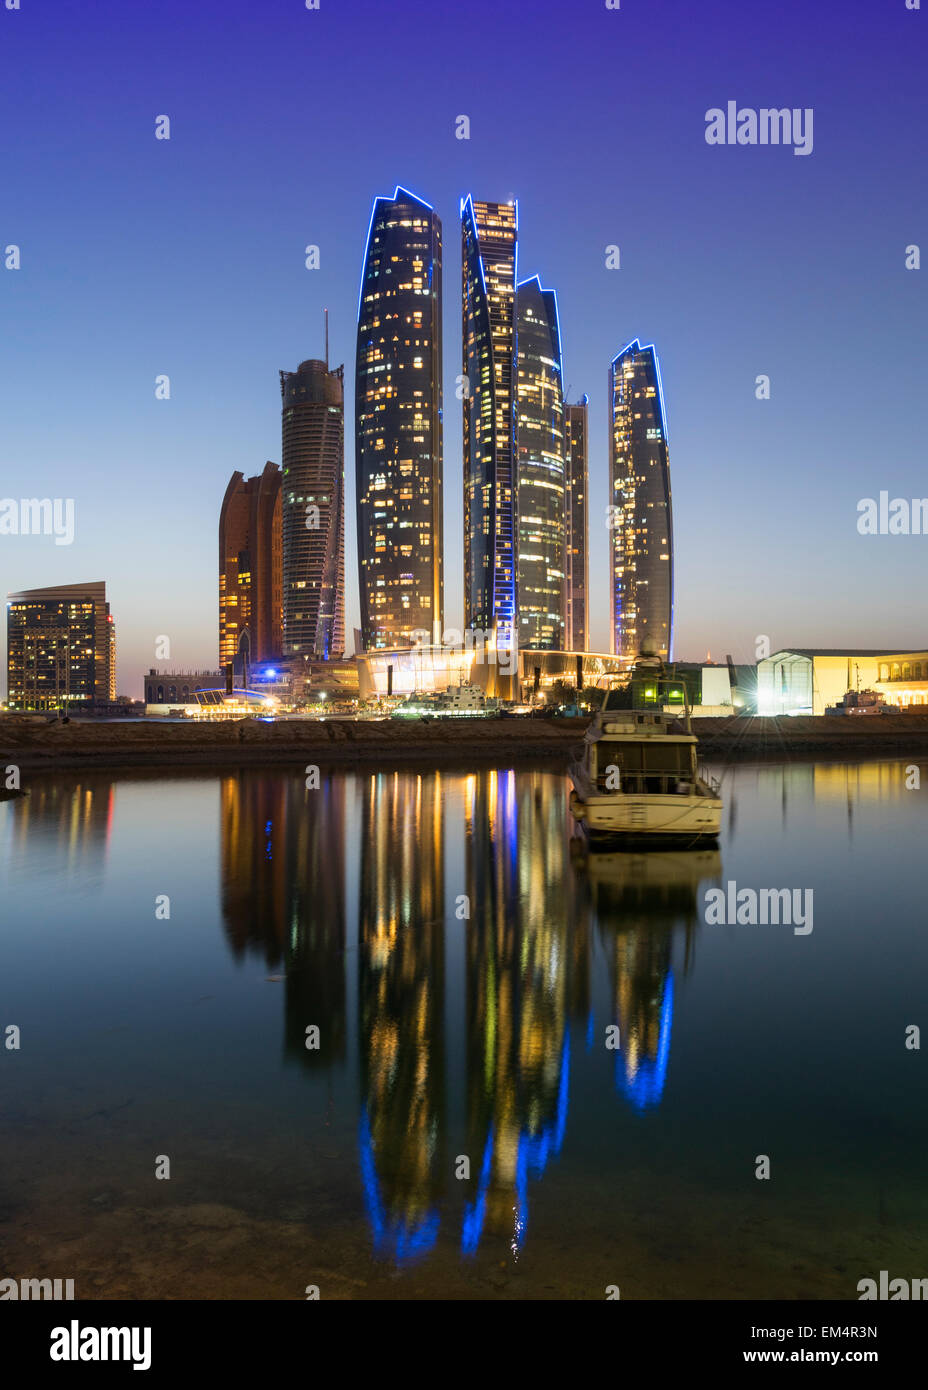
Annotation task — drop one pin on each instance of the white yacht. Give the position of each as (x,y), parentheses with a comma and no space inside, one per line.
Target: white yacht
(637,778)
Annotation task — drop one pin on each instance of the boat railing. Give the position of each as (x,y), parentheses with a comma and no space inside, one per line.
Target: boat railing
(711,782)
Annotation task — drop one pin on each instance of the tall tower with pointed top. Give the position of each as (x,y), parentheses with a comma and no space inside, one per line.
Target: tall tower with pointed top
(641,523)
(540,481)
(489,233)
(398,424)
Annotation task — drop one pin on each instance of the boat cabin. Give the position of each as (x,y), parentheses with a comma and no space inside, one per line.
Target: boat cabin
(641,753)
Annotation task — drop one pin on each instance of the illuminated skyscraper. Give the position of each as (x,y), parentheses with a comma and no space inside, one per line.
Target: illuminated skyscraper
(576,434)
(541,493)
(398,424)
(313,511)
(250,601)
(61,647)
(640,515)
(489,233)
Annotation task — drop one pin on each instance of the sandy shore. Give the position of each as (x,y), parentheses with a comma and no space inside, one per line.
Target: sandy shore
(458,742)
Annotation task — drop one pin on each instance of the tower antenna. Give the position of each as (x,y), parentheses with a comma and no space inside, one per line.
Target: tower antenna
(326,312)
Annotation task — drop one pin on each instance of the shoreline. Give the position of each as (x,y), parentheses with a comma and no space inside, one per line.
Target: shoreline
(460,743)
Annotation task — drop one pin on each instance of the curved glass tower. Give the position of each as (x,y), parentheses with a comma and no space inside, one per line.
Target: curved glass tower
(541,490)
(641,524)
(313,511)
(489,233)
(398,424)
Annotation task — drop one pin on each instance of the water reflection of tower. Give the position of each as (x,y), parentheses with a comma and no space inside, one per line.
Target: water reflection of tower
(401,1009)
(524,979)
(253,878)
(646,906)
(74,817)
(283,896)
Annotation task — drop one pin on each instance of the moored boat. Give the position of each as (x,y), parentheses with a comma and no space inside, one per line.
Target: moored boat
(860,702)
(457,700)
(637,780)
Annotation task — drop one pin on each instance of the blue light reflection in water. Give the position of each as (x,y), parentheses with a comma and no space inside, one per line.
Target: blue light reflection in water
(440,1036)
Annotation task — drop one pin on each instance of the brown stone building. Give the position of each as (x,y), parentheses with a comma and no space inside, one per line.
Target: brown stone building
(250,567)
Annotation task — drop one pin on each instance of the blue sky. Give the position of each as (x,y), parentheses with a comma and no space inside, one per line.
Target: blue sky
(185,257)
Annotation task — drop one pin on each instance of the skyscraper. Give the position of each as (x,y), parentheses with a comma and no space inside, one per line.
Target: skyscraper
(540,483)
(489,233)
(576,434)
(313,511)
(398,424)
(250,560)
(640,508)
(61,647)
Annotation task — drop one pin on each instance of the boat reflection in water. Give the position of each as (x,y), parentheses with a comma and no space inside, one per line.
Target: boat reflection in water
(645,903)
(473,937)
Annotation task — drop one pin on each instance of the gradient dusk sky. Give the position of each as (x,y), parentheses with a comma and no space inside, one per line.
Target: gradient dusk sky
(186,257)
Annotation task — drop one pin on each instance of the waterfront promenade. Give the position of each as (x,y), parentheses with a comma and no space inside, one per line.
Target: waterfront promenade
(35,743)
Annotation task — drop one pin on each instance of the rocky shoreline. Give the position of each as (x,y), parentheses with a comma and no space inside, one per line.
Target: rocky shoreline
(34,744)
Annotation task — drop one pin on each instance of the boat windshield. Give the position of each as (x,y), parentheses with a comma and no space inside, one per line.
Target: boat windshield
(637,769)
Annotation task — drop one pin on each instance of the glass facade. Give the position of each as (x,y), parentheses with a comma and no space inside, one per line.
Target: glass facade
(641,528)
(398,424)
(313,511)
(429,669)
(61,648)
(541,491)
(489,233)
(576,434)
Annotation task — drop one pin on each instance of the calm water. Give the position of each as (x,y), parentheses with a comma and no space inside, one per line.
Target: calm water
(444,1038)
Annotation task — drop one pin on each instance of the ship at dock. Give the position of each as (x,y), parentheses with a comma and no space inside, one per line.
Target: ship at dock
(860,703)
(458,701)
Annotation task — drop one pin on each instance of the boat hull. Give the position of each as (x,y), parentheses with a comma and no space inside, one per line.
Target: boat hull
(668,819)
